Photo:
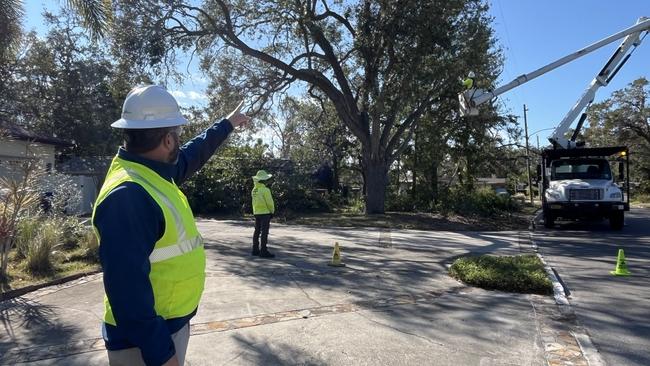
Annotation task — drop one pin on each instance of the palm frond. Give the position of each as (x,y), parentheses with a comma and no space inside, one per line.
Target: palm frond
(96,15)
(11,13)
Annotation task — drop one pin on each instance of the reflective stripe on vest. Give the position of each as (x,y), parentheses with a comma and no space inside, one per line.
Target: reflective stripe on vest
(183,247)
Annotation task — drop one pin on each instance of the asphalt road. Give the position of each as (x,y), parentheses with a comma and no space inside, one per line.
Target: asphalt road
(614,310)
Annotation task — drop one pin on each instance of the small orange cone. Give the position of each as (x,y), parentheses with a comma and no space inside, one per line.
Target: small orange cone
(336,257)
(621,265)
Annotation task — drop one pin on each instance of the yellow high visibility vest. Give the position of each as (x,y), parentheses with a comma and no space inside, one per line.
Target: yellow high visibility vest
(262,200)
(178,260)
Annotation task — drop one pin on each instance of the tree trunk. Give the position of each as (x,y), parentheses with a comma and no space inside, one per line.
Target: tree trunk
(4,258)
(376,179)
(414,168)
(335,173)
(434,183)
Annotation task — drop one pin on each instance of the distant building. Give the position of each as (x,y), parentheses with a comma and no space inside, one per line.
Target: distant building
(88,173)
(18,145)
(492,181)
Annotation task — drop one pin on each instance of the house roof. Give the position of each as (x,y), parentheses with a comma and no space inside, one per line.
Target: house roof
(18,132)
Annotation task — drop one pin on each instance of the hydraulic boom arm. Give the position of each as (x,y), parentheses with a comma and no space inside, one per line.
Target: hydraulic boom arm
(611,68)
(472,98)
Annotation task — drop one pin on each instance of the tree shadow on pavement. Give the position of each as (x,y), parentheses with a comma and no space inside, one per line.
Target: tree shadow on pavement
(411,265)
(257,351)
(37,322)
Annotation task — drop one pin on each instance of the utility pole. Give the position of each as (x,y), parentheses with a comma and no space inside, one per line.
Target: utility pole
(530,180)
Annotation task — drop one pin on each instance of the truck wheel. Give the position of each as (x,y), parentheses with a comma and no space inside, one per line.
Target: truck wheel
(617,220)
(549,221)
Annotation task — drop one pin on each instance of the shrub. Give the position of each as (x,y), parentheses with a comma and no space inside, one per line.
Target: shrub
(641,197)
(39,253)
(90,245)
(27,229)
(72,231)
(224,184)
(400,203)
(483,202)
(294,193)
(522,273)
(356,206)
(61,194)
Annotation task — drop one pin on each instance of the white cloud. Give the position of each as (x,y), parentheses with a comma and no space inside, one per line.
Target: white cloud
(196,96)
(178,94)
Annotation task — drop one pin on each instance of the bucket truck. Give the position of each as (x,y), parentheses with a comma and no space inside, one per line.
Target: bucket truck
(577,181)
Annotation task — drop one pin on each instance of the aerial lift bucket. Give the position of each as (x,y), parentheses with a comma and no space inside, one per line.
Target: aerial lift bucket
(466,108)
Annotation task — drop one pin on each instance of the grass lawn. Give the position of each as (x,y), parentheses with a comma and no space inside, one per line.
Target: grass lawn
(404,220)
(66,264)
(521,273)
(417,220)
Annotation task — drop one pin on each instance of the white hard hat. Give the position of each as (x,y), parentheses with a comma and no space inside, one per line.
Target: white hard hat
(149,106)
(471,74)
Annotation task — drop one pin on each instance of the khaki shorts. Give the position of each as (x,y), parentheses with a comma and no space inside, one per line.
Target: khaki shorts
(133,357)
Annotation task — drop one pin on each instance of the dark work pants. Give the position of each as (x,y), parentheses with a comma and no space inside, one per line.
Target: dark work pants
(262,223)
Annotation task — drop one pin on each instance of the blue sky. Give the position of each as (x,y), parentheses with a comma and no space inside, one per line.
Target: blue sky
(532,33)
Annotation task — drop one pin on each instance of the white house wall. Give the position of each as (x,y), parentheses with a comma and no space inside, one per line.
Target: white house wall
(17,151)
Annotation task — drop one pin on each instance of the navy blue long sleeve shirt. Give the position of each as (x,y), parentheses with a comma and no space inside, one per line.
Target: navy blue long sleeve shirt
(130,222)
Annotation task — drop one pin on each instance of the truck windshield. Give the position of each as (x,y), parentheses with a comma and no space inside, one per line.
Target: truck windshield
(580,169)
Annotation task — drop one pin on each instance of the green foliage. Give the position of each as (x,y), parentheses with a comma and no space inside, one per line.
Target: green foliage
(224,184)
(624,119)
(482,202)
(27,230)
(95,14)
(356,206)
(17,200)
(11,12)
(379,66)
(64,84)
(399,203)
(37,233)
(293,192)
(523,273)
(39,258)
(72,230)
(89,245)
(641,198)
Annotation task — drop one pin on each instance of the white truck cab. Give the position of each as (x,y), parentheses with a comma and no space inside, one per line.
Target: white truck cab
(579,183)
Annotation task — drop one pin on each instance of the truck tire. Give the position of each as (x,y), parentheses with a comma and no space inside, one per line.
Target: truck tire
(549,220)
(617,220)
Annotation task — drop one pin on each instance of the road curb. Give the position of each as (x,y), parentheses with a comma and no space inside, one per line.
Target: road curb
(589,351)
(27,289)
(559,292)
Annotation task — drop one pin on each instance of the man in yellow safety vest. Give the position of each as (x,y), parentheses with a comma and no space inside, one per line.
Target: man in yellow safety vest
(150,249)
(263,210)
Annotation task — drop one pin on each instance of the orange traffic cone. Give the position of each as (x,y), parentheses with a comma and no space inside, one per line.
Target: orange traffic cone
(336,257)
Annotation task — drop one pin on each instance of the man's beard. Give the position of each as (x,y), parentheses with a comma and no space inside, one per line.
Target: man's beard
(173,155)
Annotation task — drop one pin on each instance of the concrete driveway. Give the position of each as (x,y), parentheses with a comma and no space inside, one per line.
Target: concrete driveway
(393,304)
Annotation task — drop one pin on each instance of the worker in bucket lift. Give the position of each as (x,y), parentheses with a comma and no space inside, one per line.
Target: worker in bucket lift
(263,210)
(150,249)
(468,82)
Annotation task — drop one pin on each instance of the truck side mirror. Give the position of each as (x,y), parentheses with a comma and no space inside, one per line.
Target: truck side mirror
(621,171)
(539,172)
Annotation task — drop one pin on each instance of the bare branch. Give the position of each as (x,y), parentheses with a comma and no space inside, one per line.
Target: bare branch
(330,14)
